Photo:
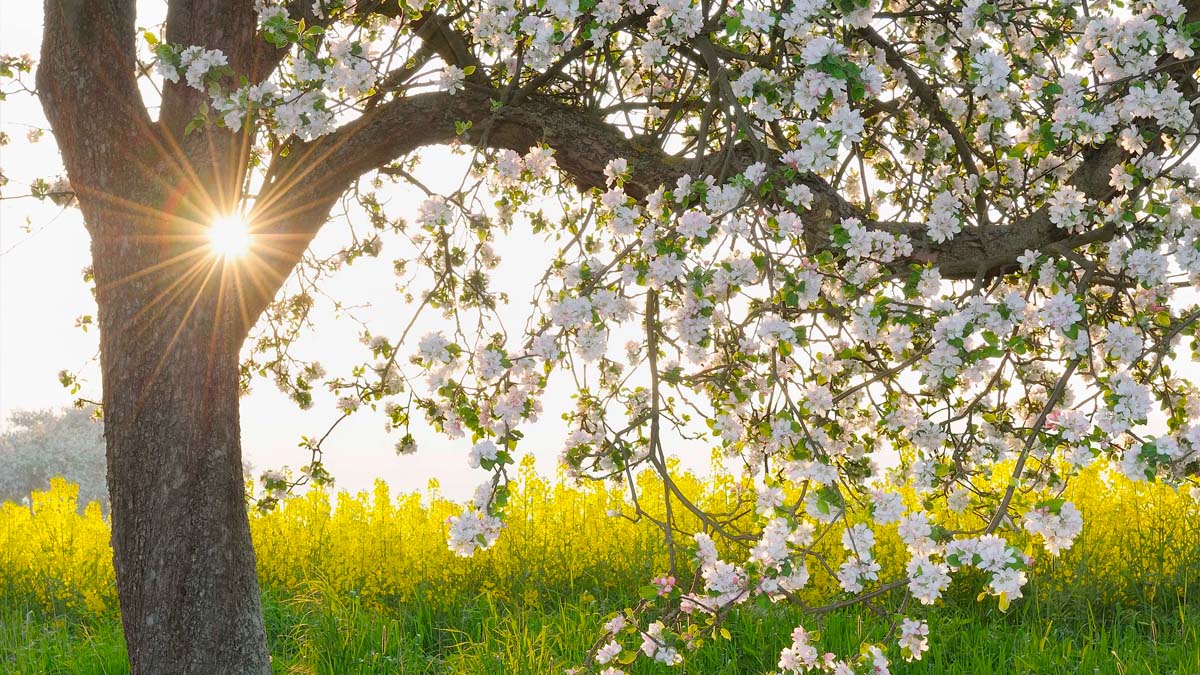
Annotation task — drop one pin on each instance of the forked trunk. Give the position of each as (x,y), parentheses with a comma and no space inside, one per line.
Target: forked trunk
(172,319)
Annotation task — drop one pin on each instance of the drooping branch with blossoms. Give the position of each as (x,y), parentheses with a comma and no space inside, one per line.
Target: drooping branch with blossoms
(890,260)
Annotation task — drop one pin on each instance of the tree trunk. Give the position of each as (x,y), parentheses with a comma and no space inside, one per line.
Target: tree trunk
(185,568)
(172,320)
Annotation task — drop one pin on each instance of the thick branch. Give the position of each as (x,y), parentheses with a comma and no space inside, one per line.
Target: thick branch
(986,251)
(310,180)
(87,87)
(227,25)
(216,156)
(316,174)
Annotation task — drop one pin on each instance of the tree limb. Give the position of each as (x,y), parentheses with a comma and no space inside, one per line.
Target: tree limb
(87,86)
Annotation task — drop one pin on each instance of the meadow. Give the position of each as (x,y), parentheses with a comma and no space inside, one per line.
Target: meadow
(364,583)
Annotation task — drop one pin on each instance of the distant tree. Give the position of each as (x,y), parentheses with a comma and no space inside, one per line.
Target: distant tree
(41,444)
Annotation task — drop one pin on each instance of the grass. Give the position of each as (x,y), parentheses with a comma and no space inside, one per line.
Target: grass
(367,586)
(318,632)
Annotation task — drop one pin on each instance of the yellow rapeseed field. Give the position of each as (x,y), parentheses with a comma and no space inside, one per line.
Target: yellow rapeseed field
(559,538)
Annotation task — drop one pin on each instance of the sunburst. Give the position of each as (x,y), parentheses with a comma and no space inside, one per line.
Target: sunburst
(229,236)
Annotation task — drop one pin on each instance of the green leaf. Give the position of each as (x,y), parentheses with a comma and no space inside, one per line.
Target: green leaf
(1017,345)
(1052,505)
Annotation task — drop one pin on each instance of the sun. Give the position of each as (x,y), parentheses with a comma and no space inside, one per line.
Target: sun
(229,236)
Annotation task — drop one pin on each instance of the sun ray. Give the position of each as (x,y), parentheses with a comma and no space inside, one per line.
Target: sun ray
(174,261)
(164,298)
(183,322)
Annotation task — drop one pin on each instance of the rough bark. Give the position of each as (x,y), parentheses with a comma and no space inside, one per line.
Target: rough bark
(170,333)
(184,562)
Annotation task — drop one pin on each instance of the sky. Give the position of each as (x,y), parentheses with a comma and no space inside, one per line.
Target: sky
(44,248)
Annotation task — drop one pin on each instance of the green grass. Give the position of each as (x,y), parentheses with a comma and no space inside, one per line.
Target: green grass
(318,633)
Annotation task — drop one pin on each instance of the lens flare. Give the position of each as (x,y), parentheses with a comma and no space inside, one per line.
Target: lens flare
(229,236)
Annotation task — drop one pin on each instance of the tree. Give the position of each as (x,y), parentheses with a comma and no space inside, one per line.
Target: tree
(42,444)
(952,232)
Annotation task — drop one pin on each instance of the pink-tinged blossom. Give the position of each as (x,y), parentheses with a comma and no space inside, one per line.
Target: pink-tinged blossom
(450,79)
(1058,530)
(473,531)
(694,224)
(1061,311)
(914,639)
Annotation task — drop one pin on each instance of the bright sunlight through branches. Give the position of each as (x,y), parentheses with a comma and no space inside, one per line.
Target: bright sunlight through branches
(229,236)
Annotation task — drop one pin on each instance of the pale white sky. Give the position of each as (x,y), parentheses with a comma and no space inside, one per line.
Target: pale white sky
(43,249)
